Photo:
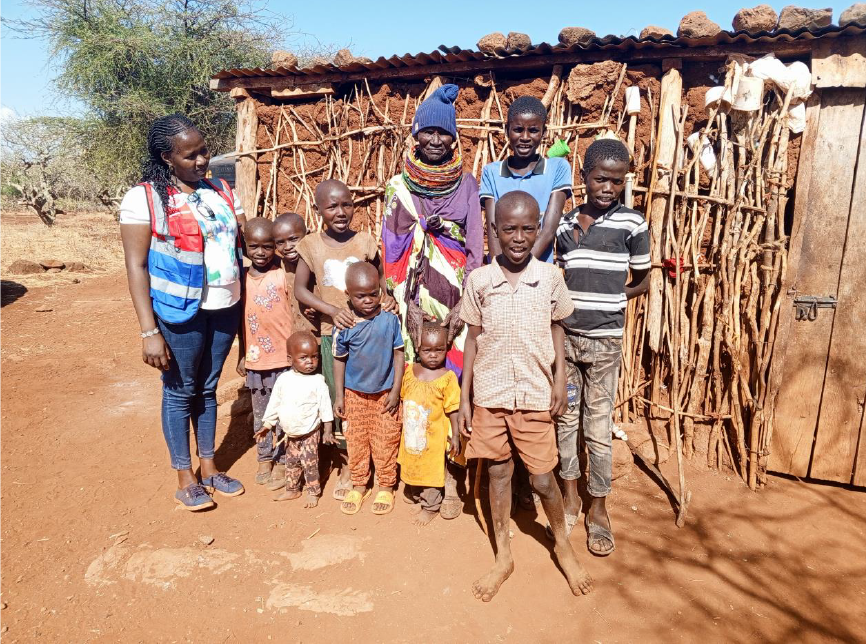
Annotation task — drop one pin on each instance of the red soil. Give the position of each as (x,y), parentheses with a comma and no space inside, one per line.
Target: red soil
(93,549)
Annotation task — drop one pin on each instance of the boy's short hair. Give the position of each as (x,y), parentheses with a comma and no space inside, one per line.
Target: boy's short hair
(328,184)
(604,150)
(257,224)
(516,198)
(298,337)
(527,105)
(361,270)
(288,218)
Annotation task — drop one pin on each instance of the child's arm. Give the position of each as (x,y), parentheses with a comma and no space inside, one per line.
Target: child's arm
(343,318)
(454,436)
(271,415)
(492,240)
(639,284)
(638,243)
(558,395)
(328,437)
(464,414)
(392,402)
(551,222)
(326,412)
(339,386)
(389,304)
(242,349)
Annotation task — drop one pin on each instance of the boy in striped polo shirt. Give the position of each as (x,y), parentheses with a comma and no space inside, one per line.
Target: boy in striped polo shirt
(597,244)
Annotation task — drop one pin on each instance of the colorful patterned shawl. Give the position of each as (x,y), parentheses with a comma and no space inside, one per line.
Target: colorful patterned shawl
(425,266)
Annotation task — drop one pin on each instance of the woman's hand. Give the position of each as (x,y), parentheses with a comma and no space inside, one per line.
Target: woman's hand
(154,351)
(343,319)
(390,305)
(242,367)
(453,321)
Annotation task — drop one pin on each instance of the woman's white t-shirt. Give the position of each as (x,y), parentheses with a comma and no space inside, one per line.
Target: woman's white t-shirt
(227,289)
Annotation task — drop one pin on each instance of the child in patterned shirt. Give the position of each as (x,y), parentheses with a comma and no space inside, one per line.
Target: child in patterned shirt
(267,324)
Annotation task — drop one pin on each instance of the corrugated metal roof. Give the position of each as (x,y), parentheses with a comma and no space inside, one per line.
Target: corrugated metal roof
(446,55)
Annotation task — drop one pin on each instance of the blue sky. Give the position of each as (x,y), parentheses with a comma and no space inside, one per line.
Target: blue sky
(382,29)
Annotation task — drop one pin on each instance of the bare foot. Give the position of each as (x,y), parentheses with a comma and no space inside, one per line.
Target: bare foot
(312,501)
(424,517)
(578,579)
(488,585)
(288,495)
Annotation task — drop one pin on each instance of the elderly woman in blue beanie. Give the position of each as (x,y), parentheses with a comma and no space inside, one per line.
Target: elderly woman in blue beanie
(432,232)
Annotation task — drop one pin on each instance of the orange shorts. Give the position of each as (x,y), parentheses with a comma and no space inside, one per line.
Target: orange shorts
(531,432)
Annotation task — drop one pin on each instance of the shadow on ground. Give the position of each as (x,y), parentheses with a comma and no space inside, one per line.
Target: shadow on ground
(11,291)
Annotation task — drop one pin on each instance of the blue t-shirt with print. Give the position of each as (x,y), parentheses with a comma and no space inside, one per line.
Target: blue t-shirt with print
(548,176)
(368,348)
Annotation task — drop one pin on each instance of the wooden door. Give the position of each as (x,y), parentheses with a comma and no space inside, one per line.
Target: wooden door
(821,363)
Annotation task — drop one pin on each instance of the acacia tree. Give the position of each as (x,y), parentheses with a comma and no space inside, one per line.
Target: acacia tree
(42,163)
(131,61)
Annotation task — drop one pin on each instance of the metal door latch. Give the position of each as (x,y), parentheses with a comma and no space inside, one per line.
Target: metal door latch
(807,306)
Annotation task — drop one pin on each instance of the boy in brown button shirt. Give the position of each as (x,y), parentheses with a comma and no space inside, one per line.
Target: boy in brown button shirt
(513,307)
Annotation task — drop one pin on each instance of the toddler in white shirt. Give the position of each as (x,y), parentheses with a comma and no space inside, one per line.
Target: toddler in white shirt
(302,404)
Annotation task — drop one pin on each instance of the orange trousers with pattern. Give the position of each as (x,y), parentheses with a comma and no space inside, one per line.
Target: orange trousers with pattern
(371,432)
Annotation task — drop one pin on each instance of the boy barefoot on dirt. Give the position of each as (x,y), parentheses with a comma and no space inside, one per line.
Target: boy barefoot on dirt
(548,180)
(597,243)
(514,373)
(302,404)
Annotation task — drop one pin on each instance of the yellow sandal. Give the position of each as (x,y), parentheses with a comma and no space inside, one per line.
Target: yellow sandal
(357,499)
(384,498)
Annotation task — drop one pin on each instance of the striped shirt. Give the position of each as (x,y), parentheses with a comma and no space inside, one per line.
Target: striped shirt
(596,264)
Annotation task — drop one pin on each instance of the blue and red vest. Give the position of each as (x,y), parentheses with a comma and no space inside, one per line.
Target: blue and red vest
(176,258)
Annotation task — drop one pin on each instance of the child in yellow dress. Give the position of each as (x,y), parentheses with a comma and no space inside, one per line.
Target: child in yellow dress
(431,398)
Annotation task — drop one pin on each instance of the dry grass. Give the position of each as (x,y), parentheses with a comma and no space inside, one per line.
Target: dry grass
(92,238)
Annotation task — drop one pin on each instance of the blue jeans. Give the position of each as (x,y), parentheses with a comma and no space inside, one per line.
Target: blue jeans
(199,349)
(592,368)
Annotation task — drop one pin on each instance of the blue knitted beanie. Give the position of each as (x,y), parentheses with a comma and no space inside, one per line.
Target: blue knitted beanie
(438,111)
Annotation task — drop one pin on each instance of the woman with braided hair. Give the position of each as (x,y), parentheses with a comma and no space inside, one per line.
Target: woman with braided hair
(181,241)
(433,236)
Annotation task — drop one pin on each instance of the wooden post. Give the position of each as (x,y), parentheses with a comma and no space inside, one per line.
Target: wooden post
(660,181)
(246,179)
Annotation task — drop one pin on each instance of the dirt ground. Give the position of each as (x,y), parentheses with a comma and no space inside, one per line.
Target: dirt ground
(93,549)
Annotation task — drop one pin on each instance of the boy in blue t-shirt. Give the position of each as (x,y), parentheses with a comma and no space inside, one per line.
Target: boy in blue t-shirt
(368,375)
(547,180)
